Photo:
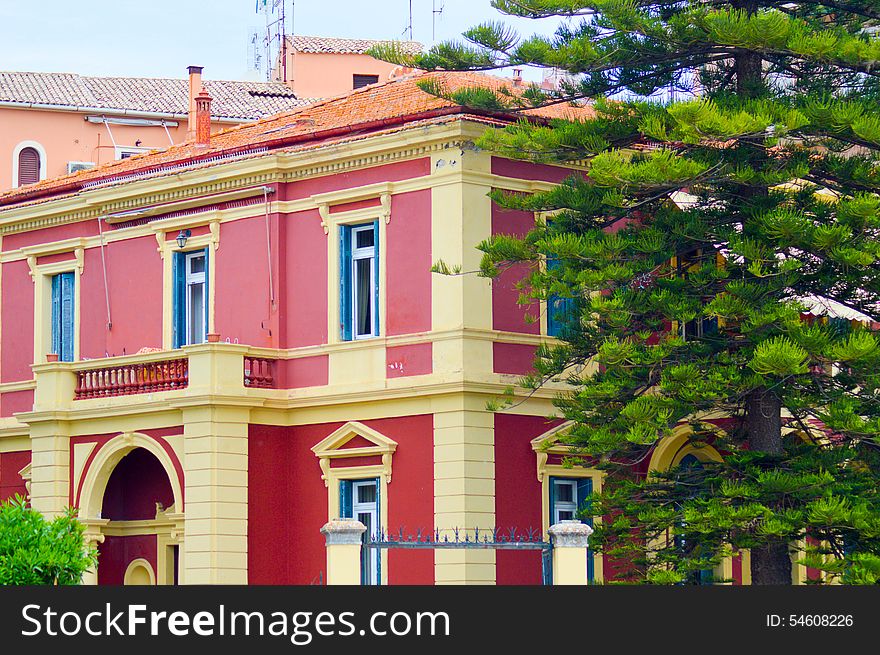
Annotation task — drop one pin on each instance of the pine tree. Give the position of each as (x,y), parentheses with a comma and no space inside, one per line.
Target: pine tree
(704,229)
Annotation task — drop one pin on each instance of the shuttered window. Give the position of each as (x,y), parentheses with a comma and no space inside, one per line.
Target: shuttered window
(364,80)
(63,329)
(359,281)
(359,499)
(28,166)
(190,302)
(568,497)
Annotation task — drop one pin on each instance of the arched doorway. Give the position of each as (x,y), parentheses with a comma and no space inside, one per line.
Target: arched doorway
(131,503)
(138,489)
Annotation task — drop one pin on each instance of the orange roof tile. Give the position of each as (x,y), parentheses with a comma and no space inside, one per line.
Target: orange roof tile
(370,109)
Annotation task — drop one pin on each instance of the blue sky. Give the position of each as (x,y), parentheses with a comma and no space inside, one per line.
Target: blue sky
(160,38)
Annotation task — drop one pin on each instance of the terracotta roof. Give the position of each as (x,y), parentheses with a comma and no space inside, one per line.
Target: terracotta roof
(397,103)
(232,99)
(317,44)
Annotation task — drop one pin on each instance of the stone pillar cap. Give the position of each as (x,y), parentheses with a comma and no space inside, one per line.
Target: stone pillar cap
(343,532)
(570,534)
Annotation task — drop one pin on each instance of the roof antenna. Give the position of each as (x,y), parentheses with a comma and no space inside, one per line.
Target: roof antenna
(409,27)
(436,13)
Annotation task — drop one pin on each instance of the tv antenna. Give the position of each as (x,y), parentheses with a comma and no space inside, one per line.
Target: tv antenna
(275,37)
(437,12)
(409,27)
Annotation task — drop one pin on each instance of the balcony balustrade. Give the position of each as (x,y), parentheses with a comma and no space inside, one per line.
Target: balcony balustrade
(135,378)
(259,373)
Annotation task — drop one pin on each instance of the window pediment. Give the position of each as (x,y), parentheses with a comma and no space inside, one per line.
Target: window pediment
(354,440)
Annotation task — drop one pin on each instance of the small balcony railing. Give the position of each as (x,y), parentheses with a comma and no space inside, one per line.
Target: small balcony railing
(259,373)
(129,379)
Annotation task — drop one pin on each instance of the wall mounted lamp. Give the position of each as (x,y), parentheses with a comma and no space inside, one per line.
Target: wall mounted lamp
(182,237)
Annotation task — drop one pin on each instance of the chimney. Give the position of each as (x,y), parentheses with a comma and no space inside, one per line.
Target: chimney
(195,85)
(203,119)
(517,77)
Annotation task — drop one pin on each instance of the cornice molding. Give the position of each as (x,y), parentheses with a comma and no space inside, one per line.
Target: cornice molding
(266,168)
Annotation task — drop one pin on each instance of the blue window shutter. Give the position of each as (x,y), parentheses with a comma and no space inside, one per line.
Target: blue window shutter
(376,289)
(552,500)
(345,322)
(547,567)
(559,310)
(584,491)
(67,317)
(178,310)
(56,315)
(345,500)
(207,293)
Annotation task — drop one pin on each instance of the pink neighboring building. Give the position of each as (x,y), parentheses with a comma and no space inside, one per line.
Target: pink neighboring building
(52,124)
(321,67)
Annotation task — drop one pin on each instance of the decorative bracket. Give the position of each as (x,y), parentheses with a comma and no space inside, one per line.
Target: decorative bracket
(324,211)
(385,200)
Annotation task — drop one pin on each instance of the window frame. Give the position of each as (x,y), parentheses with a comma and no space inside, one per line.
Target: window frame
(349,255)
(544,446)
(371,561)
(165,234)
(183,281)
(355,76)
(668,453)
(64,348)
(41,151)
(42,275)
(124,152)
(576,483)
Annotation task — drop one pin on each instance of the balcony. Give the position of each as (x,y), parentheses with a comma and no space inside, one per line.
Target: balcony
(210,369)
(128,379)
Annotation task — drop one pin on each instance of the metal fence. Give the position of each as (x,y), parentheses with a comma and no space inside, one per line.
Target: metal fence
(457,538)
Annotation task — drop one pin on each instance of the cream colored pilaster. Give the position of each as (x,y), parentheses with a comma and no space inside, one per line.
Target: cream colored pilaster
(461,218)
(50,467)
(464,489)
(93,536)
(215,447)
(50,437)
(216,459)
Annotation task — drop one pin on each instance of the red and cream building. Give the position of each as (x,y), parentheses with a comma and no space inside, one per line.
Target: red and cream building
(250,342)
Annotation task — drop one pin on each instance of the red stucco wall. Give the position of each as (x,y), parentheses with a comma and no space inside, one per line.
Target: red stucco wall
(506,313)
(304,293)
(10,481)
(116,553)
(287,500)
(16,321)
(134,275)
(517,493)
(242,310)
(409,263)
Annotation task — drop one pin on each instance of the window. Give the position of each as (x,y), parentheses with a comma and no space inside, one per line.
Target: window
(190,312)
(568,496)
(28,166)
(359,293)
(699,327)
(124,152)
(363,80)
(705,576)
(74,166)
(560,311)
(359,499)
(63,316)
